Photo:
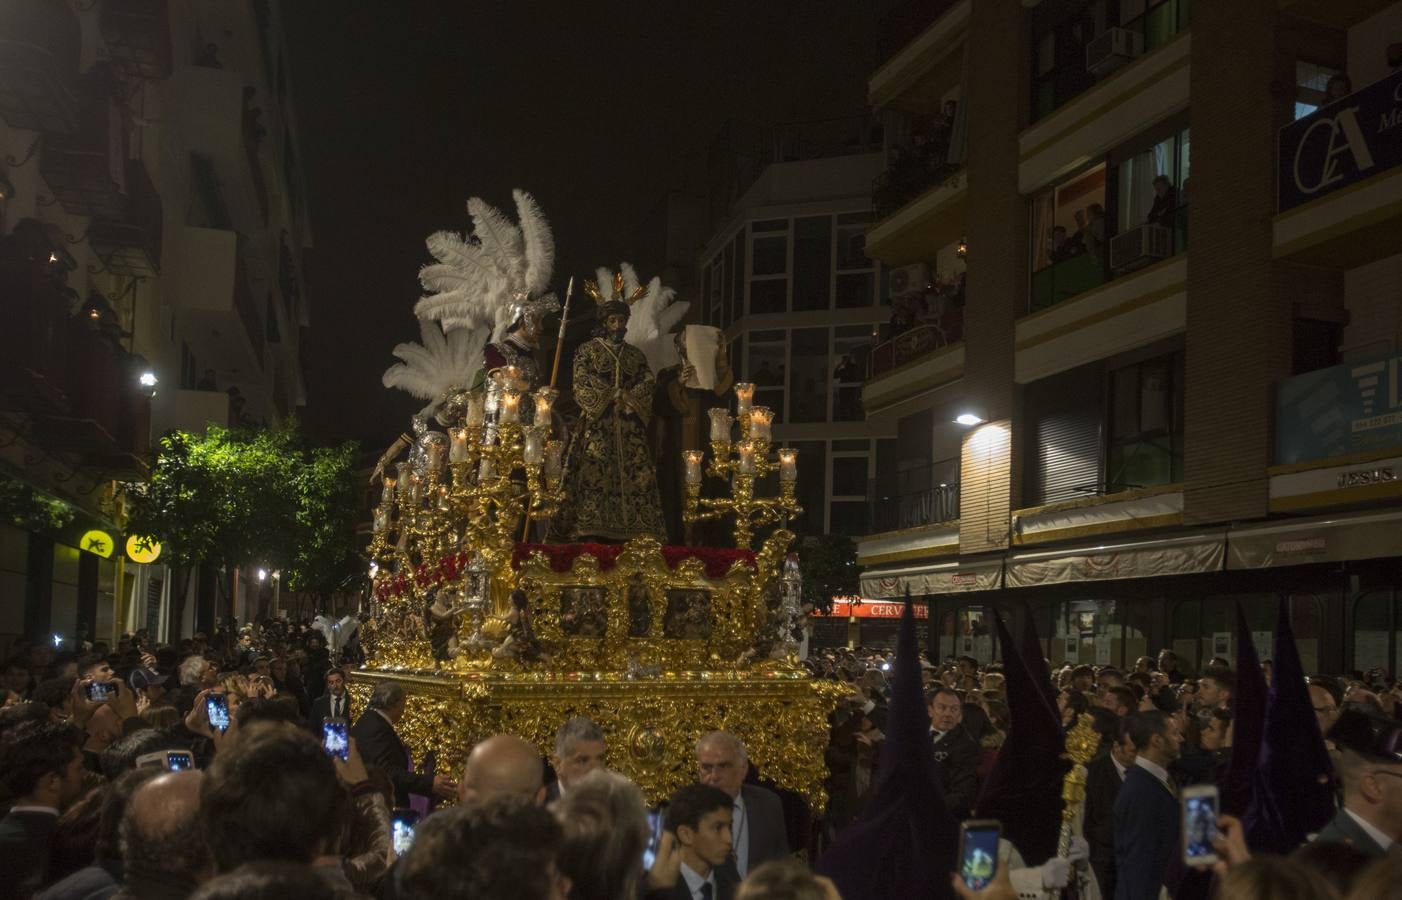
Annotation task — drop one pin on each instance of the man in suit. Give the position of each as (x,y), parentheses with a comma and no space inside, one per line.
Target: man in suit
(1104,776)
(700,817)
(335,703)
(955,751)
(503,766)
(41,765)
(1146,827)
(1370,766)
(579,750)
(380,746)
(757,815)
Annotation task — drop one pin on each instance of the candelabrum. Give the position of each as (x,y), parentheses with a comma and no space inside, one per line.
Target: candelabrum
(742,461)
(496,468)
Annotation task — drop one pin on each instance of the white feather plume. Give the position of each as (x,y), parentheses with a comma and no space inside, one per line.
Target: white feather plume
(475,280)
(652,318)
(442,361)
(539,243)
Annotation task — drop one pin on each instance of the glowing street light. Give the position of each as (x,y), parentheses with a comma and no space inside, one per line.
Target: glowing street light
(969,419)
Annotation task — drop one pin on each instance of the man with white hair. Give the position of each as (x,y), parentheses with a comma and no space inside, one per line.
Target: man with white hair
(757,820)
(579,750)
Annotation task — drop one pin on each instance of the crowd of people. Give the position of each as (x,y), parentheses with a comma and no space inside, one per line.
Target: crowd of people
(119,784)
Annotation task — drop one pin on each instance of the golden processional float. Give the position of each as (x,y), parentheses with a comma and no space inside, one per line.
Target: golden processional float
(491,632)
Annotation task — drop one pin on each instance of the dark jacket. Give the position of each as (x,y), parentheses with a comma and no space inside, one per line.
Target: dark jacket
(1343,830)
(96,882)
(321,709)
(25,842)
(380,746)
(958,756)
(764,831)
(1146,836)
(726,884)
(1098,825)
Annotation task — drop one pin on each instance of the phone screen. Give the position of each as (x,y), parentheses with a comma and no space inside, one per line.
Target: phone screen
(1199,825)
(335,738)
(655,818)
(402,830)
(217,707)
(101,691)
(179,760)
(978,853)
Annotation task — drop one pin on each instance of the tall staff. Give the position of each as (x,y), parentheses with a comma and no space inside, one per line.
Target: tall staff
(554,375)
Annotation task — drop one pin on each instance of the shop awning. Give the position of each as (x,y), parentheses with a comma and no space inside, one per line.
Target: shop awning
(959,577)
(1186,555)
(1315,540)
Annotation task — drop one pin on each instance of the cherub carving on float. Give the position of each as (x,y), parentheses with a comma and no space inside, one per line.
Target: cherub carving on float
(611,489)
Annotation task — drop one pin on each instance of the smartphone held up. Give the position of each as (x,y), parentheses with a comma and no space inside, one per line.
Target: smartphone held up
(978,852)
(1200,811)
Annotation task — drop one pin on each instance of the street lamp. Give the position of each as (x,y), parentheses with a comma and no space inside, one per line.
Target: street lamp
(968,419)
(149,381)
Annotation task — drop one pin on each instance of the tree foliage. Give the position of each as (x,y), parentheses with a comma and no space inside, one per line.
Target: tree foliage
(253,497)
(24,507)
(829,567)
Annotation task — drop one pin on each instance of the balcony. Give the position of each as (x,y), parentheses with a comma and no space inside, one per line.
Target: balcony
(1339,180)
(897,511)
(85,169)
(189,410)
(913,365)
(131,243)
(217,124)
(40,42)
(33,333)
(208,283)
(1085,263)
(918,42)
(933,216)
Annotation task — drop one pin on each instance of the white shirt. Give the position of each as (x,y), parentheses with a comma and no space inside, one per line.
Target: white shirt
(1379,838)
(335,702)
(740,835)
(1157,771)
(694,882)
(1119,768)
(34,809)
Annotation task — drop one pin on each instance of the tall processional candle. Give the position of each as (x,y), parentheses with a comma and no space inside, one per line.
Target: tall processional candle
(760,419)
(554,453)
(544,403)
(744,396)
(476,409)
(433,456)
(746,450)
(532,446)
(387,492)
(457,447)
(510,407)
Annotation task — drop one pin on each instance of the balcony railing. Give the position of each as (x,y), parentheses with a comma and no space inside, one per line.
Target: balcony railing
(911,509)
(1131,249)
(913,343)
(1310,158)
(130,244)
(913,170)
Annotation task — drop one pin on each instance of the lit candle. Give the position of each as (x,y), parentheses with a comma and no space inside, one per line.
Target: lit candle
(416,488)
(544,403)
(788,464)
(760,419)
(511,378)
(747,457)
(744,396)
(510,407)
(457,450)
(554,454)
(381,519)
(720,425)
(433,455)
(476,408)
(532,450)
(493,401)
(693,458)
(387,494)
(487,469)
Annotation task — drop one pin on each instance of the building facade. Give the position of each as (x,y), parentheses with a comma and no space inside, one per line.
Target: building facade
(1177,367)
(152,222)
(784,275)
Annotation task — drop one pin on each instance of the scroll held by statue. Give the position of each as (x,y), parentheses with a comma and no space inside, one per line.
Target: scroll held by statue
(701,342)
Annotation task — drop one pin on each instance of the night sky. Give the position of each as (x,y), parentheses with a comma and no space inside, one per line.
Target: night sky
(599,109)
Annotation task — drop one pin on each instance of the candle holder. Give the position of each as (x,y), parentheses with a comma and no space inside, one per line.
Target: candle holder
(741,462)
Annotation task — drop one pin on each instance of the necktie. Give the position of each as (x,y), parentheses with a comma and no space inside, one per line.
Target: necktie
(706,891)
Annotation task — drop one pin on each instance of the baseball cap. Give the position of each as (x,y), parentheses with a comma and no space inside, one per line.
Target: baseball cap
(145,677)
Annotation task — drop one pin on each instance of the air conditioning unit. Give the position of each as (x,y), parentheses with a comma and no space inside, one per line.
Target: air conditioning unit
(1140,246)
(911,279)
(1112,49)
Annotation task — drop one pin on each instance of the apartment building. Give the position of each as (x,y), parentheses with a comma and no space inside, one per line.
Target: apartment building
(152,222)
(1176,234)
(784,274)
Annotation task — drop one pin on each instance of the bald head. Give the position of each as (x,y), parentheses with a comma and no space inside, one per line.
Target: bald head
(161,837)
(503,766)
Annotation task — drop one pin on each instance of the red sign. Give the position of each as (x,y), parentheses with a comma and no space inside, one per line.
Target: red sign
(874,609)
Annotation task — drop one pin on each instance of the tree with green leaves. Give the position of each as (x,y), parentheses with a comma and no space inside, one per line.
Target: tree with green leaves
(829,567)
(230,498)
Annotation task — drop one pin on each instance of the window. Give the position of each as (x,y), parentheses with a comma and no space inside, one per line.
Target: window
(810,375)
(812,486)
(769,295)
(1070,229)
(1157,20)
(851,346)
(852,242)
(771,255)
(1145,424)
(766,369)
(849,476)
(1311,86)
(207,207)
(1138,181)
(812,263)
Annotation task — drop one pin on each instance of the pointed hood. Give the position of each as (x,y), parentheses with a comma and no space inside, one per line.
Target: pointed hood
(1294,795)
(1248,722)
(904,843)
(1024,788)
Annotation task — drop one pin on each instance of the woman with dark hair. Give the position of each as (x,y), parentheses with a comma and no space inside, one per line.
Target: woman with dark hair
(1071,703)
